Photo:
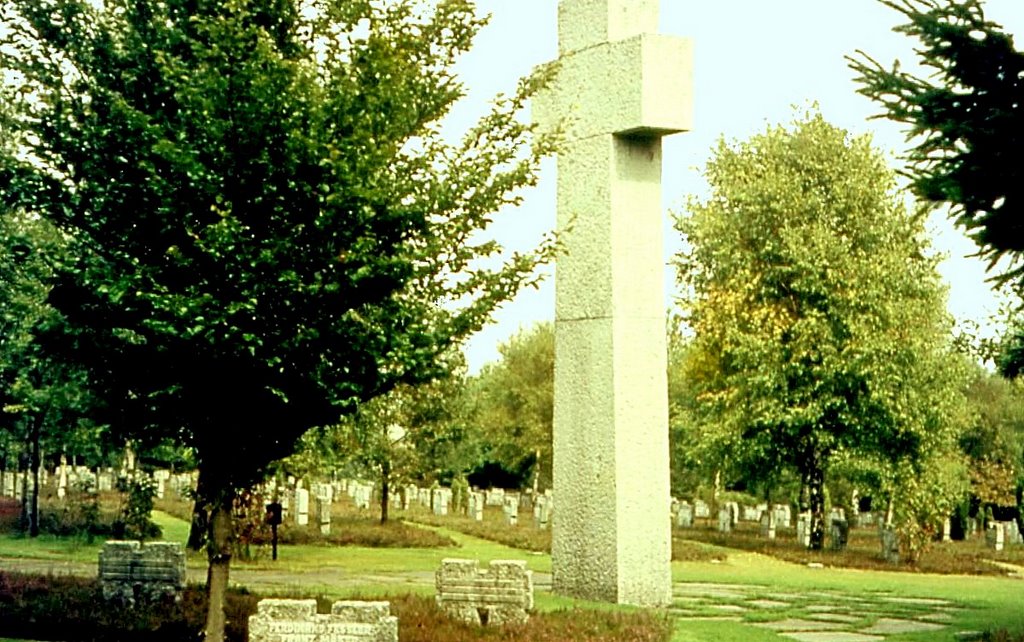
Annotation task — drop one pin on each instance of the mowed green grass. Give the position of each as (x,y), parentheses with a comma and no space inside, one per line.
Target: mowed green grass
(986,602)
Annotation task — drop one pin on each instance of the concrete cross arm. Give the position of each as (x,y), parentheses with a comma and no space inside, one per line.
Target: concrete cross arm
(641,86)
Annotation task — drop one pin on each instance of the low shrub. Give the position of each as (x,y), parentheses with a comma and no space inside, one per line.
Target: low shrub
(73,608)
(525,536)
(365,531)
(63,608)
(419,620)
(970,557)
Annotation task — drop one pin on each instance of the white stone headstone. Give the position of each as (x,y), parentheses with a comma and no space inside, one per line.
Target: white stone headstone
(301,506)
(620,87)
(684,516)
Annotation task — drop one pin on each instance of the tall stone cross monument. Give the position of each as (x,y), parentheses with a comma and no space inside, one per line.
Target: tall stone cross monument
(619,88)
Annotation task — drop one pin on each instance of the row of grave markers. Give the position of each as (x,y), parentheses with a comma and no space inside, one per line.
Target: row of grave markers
(997,535)
(66,477)
(132,572)
(314,503)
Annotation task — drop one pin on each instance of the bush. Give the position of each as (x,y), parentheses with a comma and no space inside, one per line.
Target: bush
(366,531)
(138,507)
(52,608)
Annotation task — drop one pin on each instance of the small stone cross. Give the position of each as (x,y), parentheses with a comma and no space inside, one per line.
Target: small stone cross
(619,88)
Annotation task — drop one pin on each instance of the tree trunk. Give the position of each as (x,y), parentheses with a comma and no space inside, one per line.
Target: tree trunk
(34,463)
(23,460)
(536,473)
(200,527)
(219,551)
(385,488)
(816,499)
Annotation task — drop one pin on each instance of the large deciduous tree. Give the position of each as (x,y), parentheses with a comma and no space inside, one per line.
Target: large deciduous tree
(512,403)
(819,322)
(266,225)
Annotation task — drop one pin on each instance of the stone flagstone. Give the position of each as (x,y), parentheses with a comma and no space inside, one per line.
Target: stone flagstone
(768,604)
(798,624)
(836,617)
(831,636)
(891,626)
(619,89)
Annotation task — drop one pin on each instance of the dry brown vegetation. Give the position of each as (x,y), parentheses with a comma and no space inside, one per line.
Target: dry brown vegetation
(66,608)
(970,557)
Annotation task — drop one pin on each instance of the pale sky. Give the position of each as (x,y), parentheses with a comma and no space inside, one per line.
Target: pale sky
(753,61)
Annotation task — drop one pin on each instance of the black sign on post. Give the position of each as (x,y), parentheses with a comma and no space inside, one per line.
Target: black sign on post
(274,513)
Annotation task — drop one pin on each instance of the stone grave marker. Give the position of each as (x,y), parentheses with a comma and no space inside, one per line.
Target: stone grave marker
(323,514)
(495,497)
(768,524)
(1013,534)
(500,594)
(298,621)
(783,515)
(476,505)
(301,507)
(734,512)
(803,529)
(995,536)
(441,499)
(130,571)
(62,479)
(701,509)
(511,509)
(724,520)
(890,544)
(542,511)
(684,516)
(8,484)
(619,89)
(839,532)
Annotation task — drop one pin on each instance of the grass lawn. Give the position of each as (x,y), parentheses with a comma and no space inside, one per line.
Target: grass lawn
(983,602)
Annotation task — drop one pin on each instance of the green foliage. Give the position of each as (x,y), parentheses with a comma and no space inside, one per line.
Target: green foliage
(926,493)
(135,522)
(266,227)
(512,403)
(966,115)
(819,320)
(49,607)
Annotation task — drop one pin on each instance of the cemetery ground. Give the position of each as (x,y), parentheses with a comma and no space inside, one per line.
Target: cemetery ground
(732,586)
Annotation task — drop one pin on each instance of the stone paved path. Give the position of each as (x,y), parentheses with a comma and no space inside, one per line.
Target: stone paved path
(805,616)
(815,616)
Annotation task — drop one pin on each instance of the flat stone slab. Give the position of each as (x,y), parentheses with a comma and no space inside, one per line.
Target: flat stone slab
(768,604)
(824,608)
(890,626)
(938,616)
(831,636)
(919,601)
(683,599)
(712,618)
(701,589)
(732,608)
(836,617)
(797,624)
